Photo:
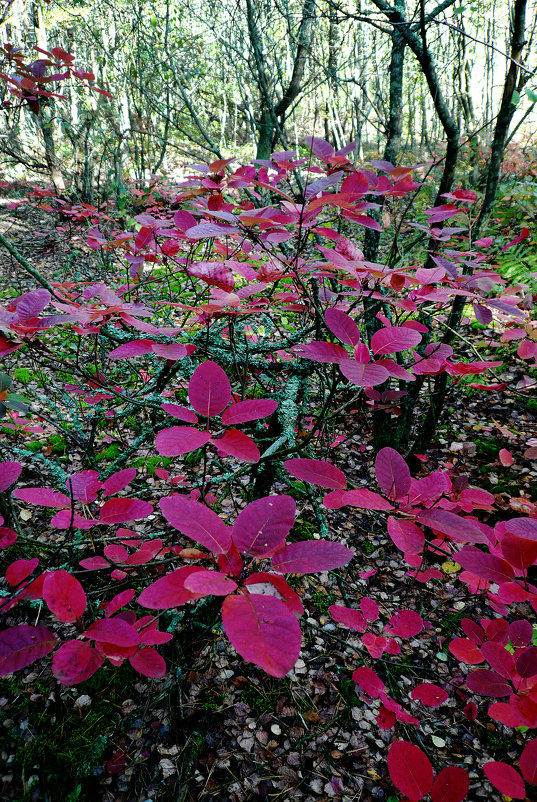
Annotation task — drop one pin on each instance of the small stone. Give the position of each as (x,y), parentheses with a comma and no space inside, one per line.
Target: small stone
(276,729)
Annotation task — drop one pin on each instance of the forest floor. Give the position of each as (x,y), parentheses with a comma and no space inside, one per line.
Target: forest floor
(217,730)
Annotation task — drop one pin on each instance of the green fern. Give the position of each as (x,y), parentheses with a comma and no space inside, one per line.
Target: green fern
(517,263)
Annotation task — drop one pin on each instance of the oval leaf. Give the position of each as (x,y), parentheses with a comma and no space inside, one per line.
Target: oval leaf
(451,785)
(263,525)
(392,473)
(410,770)
(317,472)
(506,779)
(180,440)
(148,662)
(251,409)
(64,595)
(311,556)
(22,645)
(197,521)
(263,631)
(393,339)
(75,661)
(209,390)
(120,510)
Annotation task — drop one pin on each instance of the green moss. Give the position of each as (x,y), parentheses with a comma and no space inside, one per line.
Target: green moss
(57,444)
(112,452)
(22,375)
(150,463)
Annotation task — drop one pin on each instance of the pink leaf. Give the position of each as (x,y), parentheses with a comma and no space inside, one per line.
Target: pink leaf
(263,525)
(263,631)
(473,631)
(120,510)
(393,339)
(505,457)
(499,659)
(343,326)
(29,305)
(429,694)
(118,481)
(405,624)
(174,351)
(317,472)
(353,619)
(451,785)
(197,521)
(169,591)
(131,349)
(113,630)
(364,499)
(453,526)
(311,556)
(84,486)
(392,473)
(237,444)
(180,440)
(363,375)
(410,770)
(215,274)
(75,661)
(376,645)
(64,595)
(466,651)
(484,565)
(369,608)
(209,390)
(22,645)
(148,662)
(9,473)
(319,147)
(94,563)
(528,762)
(183,413)
(520,633)
(251,409)
(368,681)
(321,351)
(206,583)
(406,535)
(488,683)
(506,779)
(43,496)
(120,600)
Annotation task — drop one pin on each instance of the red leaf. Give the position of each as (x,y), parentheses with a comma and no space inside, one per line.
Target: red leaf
(321,351)
(369,608)
(353,619)
(410,770)
(30,304)
(526,662)
(207,583)
(368,681)
(9,473)
(311,556)
(466,651)
(118,481)
(266,584)
(519,552)
(405,624)
(429,694)
(406,535)
(484,565)
(251,409)
(263,631)
(120,510)
(451,785)
(120,600)
(238,445)
(64,595)
(209,390)
(520,633)
(317,472)
(180,440)
(43,496)
(363,375)
(149,662)
(392,472)
(506,779)
(22,645)
(20,569)
(263,525)
(342,326)
(94,563)
(499,659)
(393,339)
(528,762)
(488,683)
(473,631)
(169,591)
(84,486)
(197,521)
(75,661)
(113,630)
